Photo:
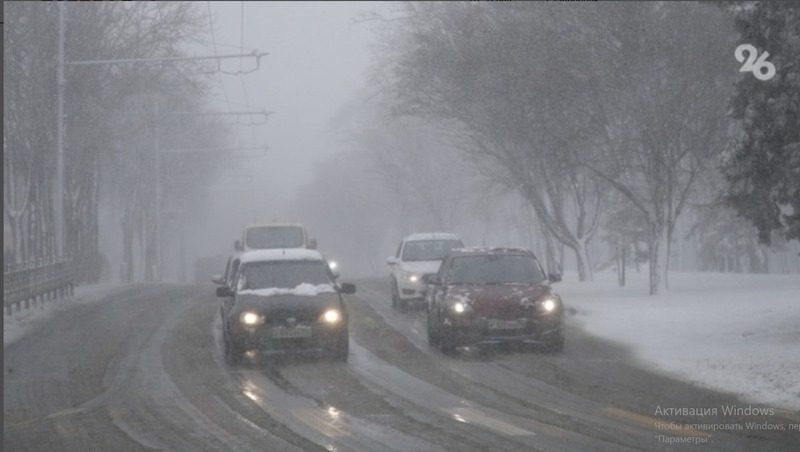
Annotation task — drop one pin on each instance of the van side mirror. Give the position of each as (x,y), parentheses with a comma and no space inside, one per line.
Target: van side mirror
(217,279)
(554,277)
(391,260)
(224,291)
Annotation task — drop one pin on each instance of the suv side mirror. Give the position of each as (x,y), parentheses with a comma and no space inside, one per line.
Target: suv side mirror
(554,277)
(312,244)
(347,288)
(391,260)
(224,291)
(217,279)
(432,280)
(237,245)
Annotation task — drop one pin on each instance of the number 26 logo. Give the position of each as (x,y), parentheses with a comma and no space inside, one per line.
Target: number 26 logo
(755,64)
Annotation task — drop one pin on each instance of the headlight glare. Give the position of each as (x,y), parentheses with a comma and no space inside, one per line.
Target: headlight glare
(548,305)
(250,318)
(332,316)
(459,307)
(413,278)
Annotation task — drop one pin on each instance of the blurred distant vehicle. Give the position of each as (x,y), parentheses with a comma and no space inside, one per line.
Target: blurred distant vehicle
(284,301)
(273,236)
(493,295)
(418,255)
(207,267)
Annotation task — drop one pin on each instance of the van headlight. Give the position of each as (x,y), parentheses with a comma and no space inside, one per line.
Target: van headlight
(413,278)
(249,318)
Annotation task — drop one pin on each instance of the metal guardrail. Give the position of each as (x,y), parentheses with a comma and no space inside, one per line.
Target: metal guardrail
(36,282)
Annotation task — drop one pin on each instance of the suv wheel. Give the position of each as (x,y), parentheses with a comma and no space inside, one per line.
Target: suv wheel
(447,344)
(233,355)
(556,343)
(342,349)
(395,295)
(397,302)
(433,330)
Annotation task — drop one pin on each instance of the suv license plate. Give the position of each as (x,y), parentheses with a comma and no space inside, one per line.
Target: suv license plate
(495,324)
(289,333)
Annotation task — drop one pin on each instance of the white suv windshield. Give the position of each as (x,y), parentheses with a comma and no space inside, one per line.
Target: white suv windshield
(429,250)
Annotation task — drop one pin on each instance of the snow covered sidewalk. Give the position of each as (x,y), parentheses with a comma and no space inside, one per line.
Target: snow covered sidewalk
(20,323)
(733,332)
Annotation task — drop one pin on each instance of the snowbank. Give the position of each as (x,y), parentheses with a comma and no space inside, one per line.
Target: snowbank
(733,332)
(304,289)
(18,324)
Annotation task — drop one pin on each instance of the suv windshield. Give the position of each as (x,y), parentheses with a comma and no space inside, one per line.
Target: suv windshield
(283,274)
(496,269)
(275,237)
(429,250)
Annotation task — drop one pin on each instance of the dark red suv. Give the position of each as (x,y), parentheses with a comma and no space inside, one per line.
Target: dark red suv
(493,295)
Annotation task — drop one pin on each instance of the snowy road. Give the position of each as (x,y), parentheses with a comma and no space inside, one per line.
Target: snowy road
(143,370)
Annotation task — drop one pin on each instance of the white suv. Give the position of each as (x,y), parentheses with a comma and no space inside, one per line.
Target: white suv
(418,255)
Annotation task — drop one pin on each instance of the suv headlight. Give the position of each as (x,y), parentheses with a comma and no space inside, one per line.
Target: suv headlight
(331,316)
(250,318)
(413,278)
(460,307)
(548,305)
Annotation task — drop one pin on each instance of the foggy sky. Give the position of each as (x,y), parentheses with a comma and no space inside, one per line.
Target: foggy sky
(317,59)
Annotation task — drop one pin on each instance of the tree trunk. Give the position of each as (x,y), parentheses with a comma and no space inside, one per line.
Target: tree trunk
(583,262)
(126,270)
(621,252)
(657,258)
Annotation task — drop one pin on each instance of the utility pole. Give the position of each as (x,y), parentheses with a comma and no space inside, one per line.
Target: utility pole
(157,160)
(60,220)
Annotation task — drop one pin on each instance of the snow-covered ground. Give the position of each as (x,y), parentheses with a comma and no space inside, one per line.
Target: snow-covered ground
(734,332)
(20,323)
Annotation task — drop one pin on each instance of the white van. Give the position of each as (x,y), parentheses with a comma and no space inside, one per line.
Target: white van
(274,235)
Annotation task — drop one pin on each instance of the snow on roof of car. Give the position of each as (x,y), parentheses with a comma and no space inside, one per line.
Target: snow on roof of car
(490,250)
(281,254)
(431,236)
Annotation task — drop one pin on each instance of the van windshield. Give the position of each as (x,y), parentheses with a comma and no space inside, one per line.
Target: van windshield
(268,237)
